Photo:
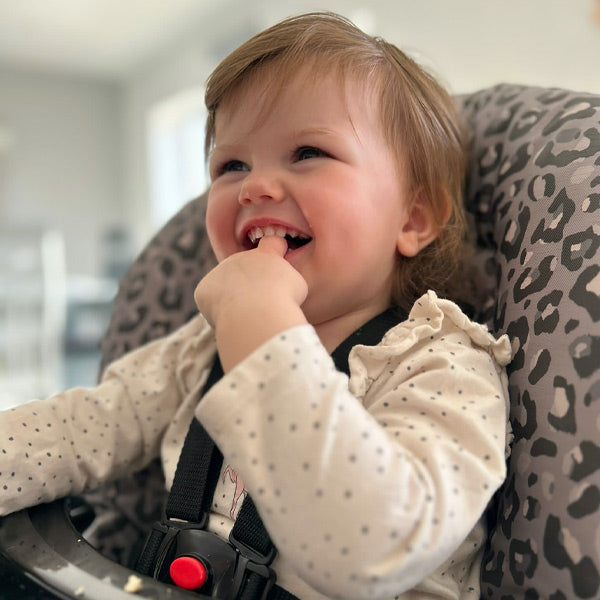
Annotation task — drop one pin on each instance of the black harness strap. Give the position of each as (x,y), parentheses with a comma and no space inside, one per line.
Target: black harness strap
(198,471)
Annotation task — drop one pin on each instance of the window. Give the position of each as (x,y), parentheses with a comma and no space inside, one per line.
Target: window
(177,169)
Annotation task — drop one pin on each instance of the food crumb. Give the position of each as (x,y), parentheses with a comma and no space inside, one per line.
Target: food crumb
(133,585)
(79,591)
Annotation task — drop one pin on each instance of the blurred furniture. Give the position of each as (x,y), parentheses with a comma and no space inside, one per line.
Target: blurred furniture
(533,196)
(32,313)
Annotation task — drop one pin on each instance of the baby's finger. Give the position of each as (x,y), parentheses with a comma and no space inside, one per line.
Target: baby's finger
(273,244)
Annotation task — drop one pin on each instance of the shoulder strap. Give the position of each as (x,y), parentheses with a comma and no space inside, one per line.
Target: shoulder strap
(197,470)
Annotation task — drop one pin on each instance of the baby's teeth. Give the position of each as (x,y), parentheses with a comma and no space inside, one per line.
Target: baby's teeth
(255,234)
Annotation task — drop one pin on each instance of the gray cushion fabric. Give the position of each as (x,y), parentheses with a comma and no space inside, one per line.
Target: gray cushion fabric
(533,195)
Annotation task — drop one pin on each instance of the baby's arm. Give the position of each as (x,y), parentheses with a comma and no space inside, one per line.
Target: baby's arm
(83,437)
(366,493)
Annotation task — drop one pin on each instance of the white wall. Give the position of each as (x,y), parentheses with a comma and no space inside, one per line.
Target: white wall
(63,165)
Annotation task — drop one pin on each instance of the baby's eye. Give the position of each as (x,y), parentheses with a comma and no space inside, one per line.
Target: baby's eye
(232,165)
(306,152)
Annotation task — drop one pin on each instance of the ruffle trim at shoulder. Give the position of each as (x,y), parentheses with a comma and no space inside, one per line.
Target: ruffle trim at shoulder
(431,316)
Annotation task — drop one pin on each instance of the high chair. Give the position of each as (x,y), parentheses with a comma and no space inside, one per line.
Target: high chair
(533,198)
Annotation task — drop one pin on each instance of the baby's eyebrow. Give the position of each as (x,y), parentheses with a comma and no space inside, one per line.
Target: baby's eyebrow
(314,131)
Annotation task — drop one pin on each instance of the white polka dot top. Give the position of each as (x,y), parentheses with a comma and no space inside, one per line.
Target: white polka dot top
(372,486)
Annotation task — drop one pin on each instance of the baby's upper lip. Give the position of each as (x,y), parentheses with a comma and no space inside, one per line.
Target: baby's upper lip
(278,226)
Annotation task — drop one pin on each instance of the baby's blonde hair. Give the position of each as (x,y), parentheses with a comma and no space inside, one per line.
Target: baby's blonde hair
(418,118)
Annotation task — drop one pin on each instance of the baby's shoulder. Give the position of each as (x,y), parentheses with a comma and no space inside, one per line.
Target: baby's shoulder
(436,323)
(434,328)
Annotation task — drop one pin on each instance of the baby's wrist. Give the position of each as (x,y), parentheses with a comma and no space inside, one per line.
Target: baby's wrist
(241,331)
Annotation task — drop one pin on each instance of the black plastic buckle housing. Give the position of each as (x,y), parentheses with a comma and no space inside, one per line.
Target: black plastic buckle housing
(252,561)
(229,565)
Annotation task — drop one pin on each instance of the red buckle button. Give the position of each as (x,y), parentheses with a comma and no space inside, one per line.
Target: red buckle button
(188,572)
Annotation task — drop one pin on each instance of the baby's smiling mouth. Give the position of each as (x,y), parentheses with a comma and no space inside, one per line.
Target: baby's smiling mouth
(293,238)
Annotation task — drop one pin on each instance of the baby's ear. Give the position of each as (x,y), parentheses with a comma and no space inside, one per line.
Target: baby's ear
(421,225)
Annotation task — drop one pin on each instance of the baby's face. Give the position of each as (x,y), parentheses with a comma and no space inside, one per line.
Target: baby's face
(314,167)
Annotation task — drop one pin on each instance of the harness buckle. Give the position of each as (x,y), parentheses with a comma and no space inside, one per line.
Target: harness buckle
(230,566)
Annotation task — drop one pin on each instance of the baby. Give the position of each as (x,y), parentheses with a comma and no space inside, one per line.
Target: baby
(335,212)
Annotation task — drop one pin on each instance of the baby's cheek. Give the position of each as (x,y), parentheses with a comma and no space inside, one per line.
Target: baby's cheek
(221,234)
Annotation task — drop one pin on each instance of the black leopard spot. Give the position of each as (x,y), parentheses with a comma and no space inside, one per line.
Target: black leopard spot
(514,234)
(187,244)
(541,186)
(546,158)
(500,313)
(591,203)
(520,158)
(508,95)
(509,507)
(132,320)
(136,287)
(533,280)
(515,188)
(585,297)
(482,202)
(547,317)
(575,109)
(587,503)
(525,424)
(518,332)
(584,354)
(552,96)
(570,325)
(543,447)
(170,298)
(566,420)
(492,568)
(558,595)
(489,159)
(580,245)
(522,560)
(502,123)
(531,508)
(167,267)
(525,123)
(156,329)
(584,575)
(542,363)
(592,395)
(585,460)
(561,210)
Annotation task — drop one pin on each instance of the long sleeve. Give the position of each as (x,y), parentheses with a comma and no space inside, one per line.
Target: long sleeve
(83,437)
(367,485)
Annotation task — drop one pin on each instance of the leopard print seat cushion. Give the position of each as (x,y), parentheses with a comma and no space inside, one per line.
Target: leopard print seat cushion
(533,196)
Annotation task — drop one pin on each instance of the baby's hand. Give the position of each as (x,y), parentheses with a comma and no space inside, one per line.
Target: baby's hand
(251,296)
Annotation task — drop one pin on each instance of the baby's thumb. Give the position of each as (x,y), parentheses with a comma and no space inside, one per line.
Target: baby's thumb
(273,244)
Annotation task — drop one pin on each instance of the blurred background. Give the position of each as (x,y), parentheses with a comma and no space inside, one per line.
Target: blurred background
(101,134)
